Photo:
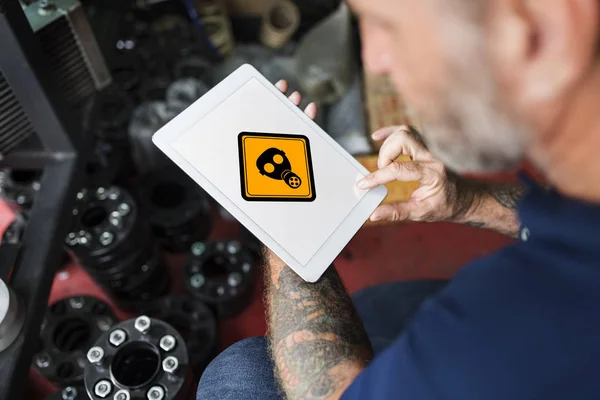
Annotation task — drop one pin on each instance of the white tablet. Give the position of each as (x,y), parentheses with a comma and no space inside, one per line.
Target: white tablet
(275,170)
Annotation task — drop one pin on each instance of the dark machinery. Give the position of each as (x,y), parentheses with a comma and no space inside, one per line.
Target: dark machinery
(177,209)
(142,358)
(39,130)
(116,247)
(70,327)
(70,47)
(222,274)
(19,186)
(194,321)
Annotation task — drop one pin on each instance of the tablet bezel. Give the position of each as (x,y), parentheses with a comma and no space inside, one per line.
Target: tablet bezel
(181,124)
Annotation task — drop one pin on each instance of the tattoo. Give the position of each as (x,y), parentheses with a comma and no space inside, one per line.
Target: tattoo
(506,195)
(475,224)
(315,334)
(462,194)
(477,204)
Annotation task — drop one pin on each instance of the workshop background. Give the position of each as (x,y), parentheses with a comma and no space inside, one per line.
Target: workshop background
(154,277)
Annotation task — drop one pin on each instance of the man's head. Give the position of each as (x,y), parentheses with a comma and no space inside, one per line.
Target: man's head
(486,77)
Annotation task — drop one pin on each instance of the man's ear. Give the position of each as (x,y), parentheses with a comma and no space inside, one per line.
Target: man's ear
(541,48)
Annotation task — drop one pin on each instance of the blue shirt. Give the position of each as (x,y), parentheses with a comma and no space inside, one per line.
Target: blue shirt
(523,323)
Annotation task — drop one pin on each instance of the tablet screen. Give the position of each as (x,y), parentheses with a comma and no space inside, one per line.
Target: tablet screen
(272,165)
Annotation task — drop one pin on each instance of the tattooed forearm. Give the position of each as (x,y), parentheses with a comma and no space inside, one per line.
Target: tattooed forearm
(506,195)
(317,341)
(487,205)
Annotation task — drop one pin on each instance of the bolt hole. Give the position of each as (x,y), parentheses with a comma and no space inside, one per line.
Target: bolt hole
(135,364)
(216,267)
(168,195)
(65,370)
(72,334)
(93,216)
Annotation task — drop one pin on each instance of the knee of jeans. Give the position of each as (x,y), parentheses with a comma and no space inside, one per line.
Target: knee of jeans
(248,356)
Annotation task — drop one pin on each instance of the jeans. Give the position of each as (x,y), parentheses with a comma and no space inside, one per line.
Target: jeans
(244,371)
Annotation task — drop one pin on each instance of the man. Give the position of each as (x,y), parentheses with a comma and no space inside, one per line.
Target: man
(493,81)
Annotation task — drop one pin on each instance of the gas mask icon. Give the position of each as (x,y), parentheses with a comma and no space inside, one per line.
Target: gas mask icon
(274,164)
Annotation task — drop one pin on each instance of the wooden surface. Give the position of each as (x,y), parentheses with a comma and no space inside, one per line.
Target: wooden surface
(397,191)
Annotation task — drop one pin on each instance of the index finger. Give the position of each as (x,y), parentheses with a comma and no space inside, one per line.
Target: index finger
(396,171)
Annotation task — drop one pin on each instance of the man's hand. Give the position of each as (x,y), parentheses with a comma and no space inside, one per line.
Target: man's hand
(442,195)
(435,200)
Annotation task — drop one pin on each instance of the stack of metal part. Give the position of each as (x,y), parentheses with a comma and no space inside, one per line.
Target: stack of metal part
(116,246)
(70,327)
(178,210)
(222,274)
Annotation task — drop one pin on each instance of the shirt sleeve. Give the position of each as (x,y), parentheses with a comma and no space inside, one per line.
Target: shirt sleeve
(493,333)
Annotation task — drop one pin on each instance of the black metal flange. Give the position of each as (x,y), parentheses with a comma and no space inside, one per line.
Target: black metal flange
(222,274)
(115,246)
(141,358)
(70,327)
(178,210)
(106,226)
(194,321)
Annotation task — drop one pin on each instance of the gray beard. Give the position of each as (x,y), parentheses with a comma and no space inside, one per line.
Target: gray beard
(472,132)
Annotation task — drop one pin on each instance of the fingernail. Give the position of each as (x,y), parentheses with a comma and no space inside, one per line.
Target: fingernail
(375,218)
(362,184)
